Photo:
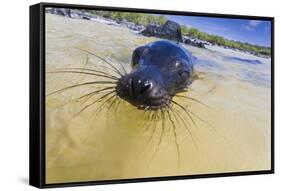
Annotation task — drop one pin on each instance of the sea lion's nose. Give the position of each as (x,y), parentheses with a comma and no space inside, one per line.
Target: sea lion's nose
(140,86)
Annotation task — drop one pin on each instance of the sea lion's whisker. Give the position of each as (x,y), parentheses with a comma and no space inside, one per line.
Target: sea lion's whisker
(175,136)
(117,104)
(113,67)
(176,115)
(190,112)
(193,99)
(100,107)
(183,117)
(112,103)
(185,110)
(98,99)
(108,68)
(191,118)
(120,100)
(146,117)
(154,120)
(213,128)
(162,127)
(208,124)
(161,135)
(150,117)
(123,68)
(86,73)
(147,120)
(91,70)
(82,84)
(154,125)
(95,92)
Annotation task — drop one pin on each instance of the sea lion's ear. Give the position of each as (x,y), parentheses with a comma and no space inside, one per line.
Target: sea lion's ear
(137,54)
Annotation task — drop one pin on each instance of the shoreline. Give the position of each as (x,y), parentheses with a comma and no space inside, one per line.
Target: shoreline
(137,29)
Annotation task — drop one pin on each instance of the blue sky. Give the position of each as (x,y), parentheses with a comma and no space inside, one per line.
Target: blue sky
(251,31)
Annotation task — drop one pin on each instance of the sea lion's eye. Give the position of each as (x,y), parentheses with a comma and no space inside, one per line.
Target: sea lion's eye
(184,75)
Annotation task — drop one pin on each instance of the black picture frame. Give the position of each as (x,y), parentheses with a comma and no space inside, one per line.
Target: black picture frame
(37,96)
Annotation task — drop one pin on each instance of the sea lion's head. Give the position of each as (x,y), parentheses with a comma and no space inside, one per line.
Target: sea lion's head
(160,70)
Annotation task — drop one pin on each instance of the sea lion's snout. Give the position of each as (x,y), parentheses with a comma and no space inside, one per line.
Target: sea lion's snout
(143,89)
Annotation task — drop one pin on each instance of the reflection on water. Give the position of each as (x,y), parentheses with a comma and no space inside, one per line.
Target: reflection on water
(123,142)
(244,61)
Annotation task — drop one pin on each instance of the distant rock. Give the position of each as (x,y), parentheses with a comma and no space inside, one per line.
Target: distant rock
(170,30)
(71,13)
(131,25)
(187,41)
(59,11)
(194,42)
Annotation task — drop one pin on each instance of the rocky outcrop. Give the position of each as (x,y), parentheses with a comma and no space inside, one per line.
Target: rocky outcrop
(59,11)
(71,13)
(194,43)
(131,25)
(170,30)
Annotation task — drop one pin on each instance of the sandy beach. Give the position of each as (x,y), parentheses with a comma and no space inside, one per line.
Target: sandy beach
(115,143)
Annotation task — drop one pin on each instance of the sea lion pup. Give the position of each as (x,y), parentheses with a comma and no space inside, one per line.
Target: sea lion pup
(161,69)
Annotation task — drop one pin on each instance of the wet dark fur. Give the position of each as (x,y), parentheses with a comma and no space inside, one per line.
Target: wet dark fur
(161,69)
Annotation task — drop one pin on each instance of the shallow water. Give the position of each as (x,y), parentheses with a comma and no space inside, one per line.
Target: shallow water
(123,142)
